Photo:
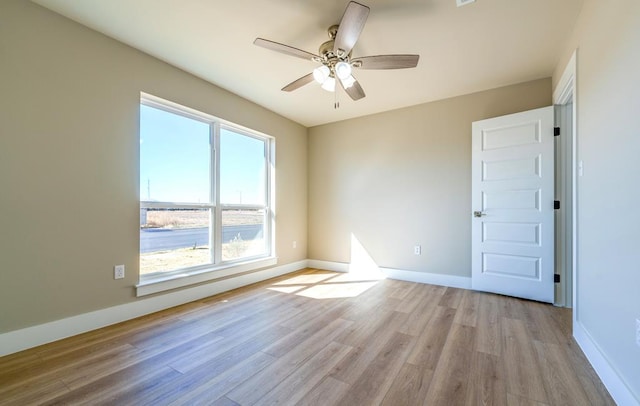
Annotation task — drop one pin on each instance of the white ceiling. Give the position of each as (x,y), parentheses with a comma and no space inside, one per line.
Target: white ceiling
(483,45)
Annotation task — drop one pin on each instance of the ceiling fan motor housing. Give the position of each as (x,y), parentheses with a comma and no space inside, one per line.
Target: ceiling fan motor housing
(328,57)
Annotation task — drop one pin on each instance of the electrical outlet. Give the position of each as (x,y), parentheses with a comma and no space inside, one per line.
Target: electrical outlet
(118,272)
(417,250)
(638,332)
(295,244)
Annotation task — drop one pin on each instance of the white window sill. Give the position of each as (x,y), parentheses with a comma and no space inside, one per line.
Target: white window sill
(175,281)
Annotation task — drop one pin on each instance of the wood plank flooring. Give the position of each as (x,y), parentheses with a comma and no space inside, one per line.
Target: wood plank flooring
(318,338)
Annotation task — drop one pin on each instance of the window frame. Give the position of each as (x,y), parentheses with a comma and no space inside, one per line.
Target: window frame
(216,268)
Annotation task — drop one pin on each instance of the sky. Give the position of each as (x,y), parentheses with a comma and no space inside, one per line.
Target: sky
(175,161)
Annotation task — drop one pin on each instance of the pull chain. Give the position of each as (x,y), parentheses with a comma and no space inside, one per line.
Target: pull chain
(336,103)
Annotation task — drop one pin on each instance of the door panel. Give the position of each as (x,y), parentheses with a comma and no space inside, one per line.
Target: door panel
(511,169)
(511,266)
(511,233)
(512,199)
(511,136)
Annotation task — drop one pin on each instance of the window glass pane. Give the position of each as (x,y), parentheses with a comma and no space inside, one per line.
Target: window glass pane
(242,169)
(171,239)
(242,233)
(174,157)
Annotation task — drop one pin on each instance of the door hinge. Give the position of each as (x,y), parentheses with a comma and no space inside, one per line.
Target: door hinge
(556,131)
(556,278)
(556,204)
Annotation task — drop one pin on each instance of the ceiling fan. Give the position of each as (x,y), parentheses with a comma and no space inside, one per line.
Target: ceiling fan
(335,55)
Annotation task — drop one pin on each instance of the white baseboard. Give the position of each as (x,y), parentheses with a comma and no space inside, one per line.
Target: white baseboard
(328,265)
(34,336)
(461,282)
(618,390)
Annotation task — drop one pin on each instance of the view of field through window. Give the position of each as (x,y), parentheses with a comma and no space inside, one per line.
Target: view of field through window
(171,239)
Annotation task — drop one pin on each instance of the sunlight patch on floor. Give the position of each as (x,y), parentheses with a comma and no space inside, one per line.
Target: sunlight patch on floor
(287,289)
(307,279)
(363,274)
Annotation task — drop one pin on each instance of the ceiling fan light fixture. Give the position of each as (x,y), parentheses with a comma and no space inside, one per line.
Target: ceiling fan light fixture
(334,61)
(329,85)
(321,73)
(343,70)
(348,82)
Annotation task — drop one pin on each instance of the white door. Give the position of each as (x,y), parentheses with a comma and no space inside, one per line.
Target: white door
(512,204)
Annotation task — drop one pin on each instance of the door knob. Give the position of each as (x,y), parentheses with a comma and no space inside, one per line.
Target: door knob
(478,214)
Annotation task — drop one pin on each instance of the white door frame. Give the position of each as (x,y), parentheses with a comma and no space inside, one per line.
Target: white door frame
(563,94)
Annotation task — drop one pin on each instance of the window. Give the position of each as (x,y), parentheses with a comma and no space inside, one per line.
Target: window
(205,196)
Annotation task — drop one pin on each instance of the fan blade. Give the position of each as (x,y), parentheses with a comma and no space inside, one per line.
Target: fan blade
(350,27)
(354,91)
(298,83)
(386,62)
(285,49)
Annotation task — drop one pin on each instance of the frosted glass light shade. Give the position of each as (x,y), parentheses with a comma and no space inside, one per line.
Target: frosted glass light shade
(329,84)
(321,73)
(343,70)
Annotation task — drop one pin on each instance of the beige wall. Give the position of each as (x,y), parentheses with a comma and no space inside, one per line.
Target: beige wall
(401,178)
(607,37)
(69,163)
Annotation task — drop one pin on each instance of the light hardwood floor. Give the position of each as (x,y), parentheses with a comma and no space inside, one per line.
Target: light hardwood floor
(318,338)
